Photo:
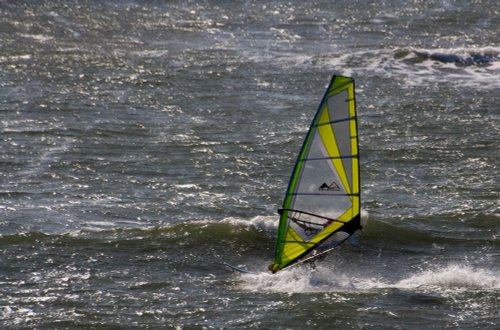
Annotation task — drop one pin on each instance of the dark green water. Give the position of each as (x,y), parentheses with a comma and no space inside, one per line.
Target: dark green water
(145,143)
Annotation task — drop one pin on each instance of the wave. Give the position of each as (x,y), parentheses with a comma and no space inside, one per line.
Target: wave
(472,67)
(460,57)
(256,235)
(237,230)
(427,235)
(242,233)
(248,243)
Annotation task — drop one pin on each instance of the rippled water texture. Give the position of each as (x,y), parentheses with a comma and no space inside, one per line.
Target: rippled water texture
(143,144)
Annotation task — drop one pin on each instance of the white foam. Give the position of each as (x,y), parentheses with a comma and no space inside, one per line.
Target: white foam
(97,226)
(38,37)
(188,186)
(364,217)
(304,279)
(267,223)
(452,276)
(323,279)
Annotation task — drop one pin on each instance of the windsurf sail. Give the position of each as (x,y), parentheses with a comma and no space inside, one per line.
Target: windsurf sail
(321,208)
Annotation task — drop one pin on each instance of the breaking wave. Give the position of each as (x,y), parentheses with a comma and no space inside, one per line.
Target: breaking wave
(467,67)
(464,57)
(322,279)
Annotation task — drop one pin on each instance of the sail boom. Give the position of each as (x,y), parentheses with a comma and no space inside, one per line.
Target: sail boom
(311,214)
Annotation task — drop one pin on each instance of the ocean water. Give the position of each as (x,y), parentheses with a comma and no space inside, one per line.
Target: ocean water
(145,143)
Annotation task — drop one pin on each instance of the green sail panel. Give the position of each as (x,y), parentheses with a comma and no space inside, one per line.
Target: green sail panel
(322,204)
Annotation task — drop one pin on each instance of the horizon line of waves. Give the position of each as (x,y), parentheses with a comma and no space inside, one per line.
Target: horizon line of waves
(472,67)
(185,232)
(402,235)
(208,230)
(441,279)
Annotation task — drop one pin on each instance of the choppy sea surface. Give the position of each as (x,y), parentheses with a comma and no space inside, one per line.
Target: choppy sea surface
(144,143)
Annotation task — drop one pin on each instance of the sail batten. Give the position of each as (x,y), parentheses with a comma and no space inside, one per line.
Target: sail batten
(323,158)
(316,194)
(336,121)
(322,203)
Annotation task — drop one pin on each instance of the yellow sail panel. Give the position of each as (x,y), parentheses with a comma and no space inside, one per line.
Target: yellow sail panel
(355,178)
(322,203)
(294,246)
(330,144)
